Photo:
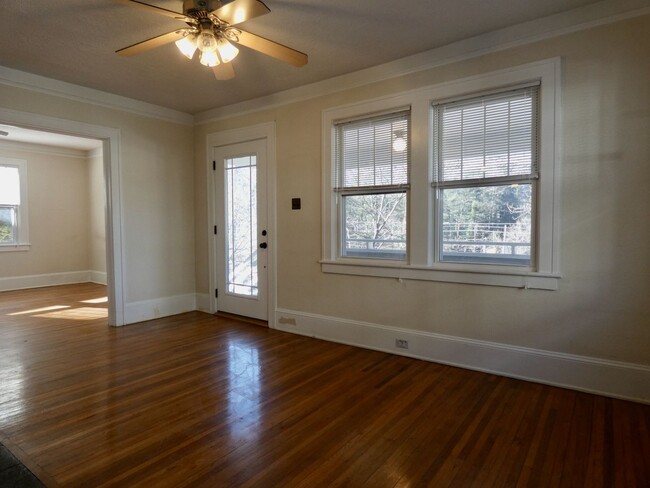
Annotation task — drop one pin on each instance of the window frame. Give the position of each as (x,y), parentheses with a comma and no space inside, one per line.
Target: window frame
(422,262)
(22,220)
(440,185)
(342,191)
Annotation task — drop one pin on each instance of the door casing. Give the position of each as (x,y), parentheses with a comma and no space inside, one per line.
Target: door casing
(266,132)
(110,138)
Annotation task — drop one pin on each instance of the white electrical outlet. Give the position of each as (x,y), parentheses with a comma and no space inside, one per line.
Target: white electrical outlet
(402,343)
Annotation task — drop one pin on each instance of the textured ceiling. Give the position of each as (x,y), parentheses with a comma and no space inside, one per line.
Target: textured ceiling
(75,41)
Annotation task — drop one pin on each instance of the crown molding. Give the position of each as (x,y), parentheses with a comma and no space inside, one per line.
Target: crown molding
(587,17)
(49,86)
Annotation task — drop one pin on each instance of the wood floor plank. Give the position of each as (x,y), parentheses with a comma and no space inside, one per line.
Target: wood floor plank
(198,400)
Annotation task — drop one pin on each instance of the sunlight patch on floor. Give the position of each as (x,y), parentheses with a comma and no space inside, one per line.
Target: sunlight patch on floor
(42,309)
(83,313)
(96,300)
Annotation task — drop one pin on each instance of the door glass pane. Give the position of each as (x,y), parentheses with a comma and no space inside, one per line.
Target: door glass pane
(489,224)
(241,225)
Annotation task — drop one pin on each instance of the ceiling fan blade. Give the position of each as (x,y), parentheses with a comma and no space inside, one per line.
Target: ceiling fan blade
(156,10)
(271,48)
(241,10)
(224,71)
(152,43)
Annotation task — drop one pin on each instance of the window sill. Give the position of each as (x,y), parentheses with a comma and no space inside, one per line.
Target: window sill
(490,276)
(14,247)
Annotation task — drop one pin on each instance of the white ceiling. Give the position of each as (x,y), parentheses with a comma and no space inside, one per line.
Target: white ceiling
(75,41)
(28,136)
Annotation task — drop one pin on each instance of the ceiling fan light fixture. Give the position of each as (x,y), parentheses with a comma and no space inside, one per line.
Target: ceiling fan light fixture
(187,45)
(209,58)
(227,51)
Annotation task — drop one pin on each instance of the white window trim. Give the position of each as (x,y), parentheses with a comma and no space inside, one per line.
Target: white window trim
(23,210)
(421,265)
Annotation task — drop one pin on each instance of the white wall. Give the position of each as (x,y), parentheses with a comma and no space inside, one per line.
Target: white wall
(597,319)
(156,194)
(58,211)
(599,312)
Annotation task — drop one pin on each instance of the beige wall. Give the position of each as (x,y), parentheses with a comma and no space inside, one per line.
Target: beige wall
(156,186)
(600,309)
(58,212)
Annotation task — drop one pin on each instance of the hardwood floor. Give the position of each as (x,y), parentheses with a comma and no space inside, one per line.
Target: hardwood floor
(196,400)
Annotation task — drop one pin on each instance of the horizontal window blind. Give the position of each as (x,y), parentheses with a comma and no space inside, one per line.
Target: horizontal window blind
(373,153)
(489,138)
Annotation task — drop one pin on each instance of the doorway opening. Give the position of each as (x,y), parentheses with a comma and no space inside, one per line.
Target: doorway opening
(67,227)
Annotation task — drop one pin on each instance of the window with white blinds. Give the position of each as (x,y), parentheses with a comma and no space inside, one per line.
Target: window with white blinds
(455,182)
(372,180)
(492,138)
(373,152)
(485,163)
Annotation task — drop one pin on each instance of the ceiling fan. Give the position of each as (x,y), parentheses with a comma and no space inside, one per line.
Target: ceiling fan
(211,29)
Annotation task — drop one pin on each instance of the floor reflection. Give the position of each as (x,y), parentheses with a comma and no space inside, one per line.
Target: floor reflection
(21,346)
(244,392)
(12,396)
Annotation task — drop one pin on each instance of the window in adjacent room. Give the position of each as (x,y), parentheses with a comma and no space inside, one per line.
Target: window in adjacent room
(485,167)
(372,184)
(13,205)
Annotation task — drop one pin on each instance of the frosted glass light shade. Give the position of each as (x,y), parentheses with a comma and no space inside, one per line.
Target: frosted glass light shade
(227,51)
(209,58)
(187,46)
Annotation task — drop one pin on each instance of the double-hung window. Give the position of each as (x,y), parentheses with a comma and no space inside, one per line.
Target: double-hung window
(372,183)
(13,205)
(460,187)
(485,169)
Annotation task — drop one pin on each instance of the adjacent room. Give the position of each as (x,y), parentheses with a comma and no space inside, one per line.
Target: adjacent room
(297,243)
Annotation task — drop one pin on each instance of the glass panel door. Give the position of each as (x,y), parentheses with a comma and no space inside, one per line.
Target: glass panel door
(241,241)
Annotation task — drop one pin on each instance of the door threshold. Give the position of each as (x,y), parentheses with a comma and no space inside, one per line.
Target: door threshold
(241,318)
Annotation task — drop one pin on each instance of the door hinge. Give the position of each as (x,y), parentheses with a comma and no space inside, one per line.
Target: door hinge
(216,293)
(214,166)
(215,230)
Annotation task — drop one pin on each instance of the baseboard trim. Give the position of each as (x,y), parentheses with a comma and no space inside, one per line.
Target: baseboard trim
(203,302)
(610,378)
(98,277)
(42,280)
(158,307)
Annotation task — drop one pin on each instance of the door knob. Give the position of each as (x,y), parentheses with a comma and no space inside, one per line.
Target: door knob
(263,245)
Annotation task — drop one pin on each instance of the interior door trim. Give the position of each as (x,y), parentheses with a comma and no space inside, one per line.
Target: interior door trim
(110,137)
(266,132)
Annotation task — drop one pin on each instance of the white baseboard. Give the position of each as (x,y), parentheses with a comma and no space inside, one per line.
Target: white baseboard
(41,280)
(203,302)
(610,378)
(98,277)
(158,307)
